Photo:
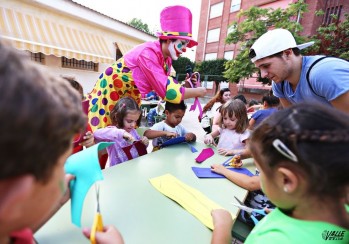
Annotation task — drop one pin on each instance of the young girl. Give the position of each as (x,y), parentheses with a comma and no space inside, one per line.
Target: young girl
(302,154)
(233,133)
(212,107)
(125,116)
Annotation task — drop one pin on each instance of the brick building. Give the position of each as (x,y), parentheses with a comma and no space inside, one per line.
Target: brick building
(216,15)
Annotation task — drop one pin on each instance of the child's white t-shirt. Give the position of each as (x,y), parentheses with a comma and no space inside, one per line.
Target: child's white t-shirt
(230,139)
(162,126)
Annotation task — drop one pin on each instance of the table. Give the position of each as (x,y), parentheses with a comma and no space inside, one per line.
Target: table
(138,210)
(147,105)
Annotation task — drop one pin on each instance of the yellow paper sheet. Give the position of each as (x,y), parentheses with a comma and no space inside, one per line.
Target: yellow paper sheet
(189,198)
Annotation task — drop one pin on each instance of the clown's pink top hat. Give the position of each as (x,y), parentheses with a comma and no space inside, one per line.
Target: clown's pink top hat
(176,24)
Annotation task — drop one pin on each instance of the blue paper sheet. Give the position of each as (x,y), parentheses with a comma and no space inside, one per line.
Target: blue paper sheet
(85,166)
(207,173)
(178,140)
(173,141)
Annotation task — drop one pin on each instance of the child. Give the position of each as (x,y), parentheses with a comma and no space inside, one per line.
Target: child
(270,106)
(233,133)
(212,107)
(39,116)
(157,111)
(170,127)
(125,117)
(302,154)
(255,199)
(145,68)
(88,139)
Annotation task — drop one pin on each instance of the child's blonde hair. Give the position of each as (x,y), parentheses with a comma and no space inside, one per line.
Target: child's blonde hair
(238,109)
(120,110)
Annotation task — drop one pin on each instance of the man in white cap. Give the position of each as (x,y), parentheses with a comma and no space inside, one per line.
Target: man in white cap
(296,78)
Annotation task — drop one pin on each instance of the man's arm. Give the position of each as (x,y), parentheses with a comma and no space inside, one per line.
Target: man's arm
(342,102)
(285,103)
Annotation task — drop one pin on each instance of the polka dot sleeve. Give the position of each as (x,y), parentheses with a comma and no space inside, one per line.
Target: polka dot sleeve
(174,91)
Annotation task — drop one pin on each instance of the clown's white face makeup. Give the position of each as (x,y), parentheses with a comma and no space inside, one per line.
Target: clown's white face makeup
(177,47)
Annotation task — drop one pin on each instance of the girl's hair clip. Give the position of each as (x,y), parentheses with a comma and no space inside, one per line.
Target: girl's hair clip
(283,149)
(123,105)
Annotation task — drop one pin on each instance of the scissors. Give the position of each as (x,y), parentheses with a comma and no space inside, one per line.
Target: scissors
(229,161)
(97,222)
(242,206)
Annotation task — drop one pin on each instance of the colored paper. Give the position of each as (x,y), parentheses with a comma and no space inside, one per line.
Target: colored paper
(85,166)
(173,141)
(207,173)
(192,148)
(189,198)
(205,154)
(140,147)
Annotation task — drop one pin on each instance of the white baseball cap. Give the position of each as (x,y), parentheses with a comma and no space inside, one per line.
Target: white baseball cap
(272,42)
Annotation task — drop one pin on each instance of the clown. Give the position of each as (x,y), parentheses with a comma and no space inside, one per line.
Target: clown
(145,68)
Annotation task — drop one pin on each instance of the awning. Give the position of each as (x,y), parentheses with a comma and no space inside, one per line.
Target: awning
(124,48)
(35,34)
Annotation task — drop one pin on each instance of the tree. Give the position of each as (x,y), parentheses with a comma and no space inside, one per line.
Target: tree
(179,65)
(138,24)
(212,70)
(333,39)
(256,22)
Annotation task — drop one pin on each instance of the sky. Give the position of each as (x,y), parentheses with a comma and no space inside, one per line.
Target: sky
(146,10)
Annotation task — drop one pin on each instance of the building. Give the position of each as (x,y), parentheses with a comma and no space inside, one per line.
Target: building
(217,15)
(67,37)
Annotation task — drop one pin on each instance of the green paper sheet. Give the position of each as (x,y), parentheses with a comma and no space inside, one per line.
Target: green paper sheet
(85,166)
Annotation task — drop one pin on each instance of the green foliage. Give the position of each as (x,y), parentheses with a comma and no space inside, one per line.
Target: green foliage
(138,24)
(333,40)
(213,68)
(179,65)
(256,22)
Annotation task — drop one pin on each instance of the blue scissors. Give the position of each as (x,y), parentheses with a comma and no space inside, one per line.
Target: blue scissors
(248,210)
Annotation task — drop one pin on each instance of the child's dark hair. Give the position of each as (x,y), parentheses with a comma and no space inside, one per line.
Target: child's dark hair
(172,107)
(253,102)
(318,138)
(120,110)
(40,114)
(238,109)
(77,86)
(272,101)
(241,98)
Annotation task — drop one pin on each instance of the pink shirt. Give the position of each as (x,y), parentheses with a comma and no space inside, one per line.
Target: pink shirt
(150,70)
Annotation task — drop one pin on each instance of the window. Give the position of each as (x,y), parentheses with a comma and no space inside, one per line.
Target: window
(210,56)
(235,5)
(79,64)
(231,29)
(213,35)
(228,55)
(216,10)
(331,9)
(37,57)
(118,53)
